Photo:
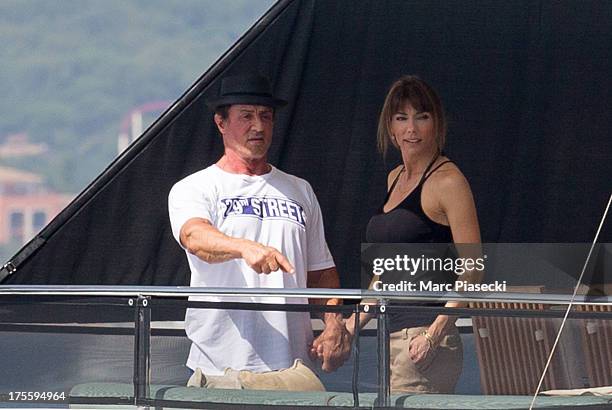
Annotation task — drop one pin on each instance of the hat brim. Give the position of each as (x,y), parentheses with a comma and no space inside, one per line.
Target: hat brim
(246,99)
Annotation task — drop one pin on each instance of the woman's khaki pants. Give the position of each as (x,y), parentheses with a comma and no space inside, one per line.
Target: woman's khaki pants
(438,373)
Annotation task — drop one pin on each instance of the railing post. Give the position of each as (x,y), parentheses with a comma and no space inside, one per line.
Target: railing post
(142,348)
(355,354)
(384,374)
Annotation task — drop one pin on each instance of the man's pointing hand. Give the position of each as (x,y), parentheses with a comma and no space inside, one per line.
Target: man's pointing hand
(265,259)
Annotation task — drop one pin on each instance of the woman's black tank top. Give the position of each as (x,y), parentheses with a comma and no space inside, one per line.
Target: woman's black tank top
(408,223)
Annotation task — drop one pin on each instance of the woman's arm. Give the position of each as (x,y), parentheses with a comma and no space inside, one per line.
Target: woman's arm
(455,201)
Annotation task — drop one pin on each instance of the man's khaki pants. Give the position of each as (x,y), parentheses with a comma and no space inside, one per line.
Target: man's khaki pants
(438,373)
(295,378)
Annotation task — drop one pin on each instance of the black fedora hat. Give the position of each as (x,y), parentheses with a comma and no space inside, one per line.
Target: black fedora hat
(245,89)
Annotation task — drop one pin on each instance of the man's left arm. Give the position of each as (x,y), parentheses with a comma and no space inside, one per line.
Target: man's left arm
(333,345)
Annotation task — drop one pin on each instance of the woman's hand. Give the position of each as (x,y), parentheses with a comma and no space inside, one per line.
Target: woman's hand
(419,348)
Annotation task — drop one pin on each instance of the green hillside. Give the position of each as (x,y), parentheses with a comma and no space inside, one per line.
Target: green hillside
(71,69)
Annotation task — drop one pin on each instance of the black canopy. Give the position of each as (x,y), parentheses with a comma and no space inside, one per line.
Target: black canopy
(527,86)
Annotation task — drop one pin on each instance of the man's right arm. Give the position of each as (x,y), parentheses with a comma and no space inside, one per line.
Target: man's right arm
(203,240)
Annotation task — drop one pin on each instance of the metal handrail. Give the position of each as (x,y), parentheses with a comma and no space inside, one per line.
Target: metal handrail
(417,296)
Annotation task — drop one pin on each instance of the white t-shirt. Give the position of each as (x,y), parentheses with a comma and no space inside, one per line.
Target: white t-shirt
(275,209)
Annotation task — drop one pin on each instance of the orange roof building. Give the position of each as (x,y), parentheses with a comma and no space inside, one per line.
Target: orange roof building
(26,205)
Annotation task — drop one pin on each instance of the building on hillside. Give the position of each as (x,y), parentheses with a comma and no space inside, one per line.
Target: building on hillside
(26,205)
(19,145)
(134,122)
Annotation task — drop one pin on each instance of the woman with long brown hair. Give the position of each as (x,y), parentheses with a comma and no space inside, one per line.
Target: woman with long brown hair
(428,200)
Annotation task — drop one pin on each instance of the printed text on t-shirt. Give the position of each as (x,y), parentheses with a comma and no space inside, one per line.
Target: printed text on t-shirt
(264,207)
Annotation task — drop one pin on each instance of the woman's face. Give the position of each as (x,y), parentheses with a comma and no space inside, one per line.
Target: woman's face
(413,131)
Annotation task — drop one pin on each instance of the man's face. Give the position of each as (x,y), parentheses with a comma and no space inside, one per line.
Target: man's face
(247,130)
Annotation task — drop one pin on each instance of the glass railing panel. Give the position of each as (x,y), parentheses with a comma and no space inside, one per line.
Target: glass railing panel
(169,343)
(301,386)
(53,345)
(581,360)
(518,351)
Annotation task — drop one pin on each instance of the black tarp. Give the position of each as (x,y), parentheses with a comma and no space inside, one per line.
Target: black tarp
(527,86)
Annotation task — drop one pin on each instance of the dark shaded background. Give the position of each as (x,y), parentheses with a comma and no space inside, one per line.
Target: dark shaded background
(527,89)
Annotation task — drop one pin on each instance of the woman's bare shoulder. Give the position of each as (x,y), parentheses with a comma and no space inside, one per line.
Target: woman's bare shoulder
(393,175)
(447,185)
(448,175)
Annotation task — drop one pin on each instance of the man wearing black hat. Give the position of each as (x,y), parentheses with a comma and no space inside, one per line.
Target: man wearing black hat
(244,223)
